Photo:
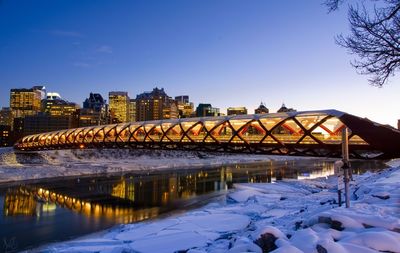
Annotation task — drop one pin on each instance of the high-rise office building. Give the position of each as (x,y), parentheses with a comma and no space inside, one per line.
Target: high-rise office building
(132,110)
(54,105)
(206,110)
(55,114)
(236,111)
(183,99)
(18,128)
(119,106)
(5,136)
(96,102)
(26,102)
(41,89)
(185,107)
(46,123)
(6,117)
(155,105)
(261,109)
(94,111)
(170,110)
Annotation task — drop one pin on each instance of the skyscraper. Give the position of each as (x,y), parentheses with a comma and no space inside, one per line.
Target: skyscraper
(183,99)
(46,123)
(119,106)
(55,114)
(94,111)
(6,117)
(155,105)
(5,136)
(96,102)
(25,102)
(185,107)
(132,110)
(54,105)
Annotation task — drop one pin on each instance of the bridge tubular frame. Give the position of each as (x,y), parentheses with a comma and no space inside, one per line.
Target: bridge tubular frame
(311,133)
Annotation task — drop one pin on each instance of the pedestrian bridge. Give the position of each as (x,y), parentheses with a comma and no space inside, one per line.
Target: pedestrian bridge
(310,133)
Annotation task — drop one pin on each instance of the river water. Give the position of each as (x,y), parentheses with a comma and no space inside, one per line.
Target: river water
(39,212)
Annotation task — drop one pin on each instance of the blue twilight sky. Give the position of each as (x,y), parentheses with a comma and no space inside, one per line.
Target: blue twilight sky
(225,52)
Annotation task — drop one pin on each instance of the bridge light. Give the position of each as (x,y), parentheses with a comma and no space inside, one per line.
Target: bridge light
(81,146)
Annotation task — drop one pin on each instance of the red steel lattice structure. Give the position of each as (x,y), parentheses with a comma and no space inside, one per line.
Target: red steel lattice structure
(312,133)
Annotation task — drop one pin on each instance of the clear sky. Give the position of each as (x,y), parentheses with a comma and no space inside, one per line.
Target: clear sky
(223,52)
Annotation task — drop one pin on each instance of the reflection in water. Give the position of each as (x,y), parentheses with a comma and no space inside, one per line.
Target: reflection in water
(114,199)
(34,201)
(19,202)
(93,203)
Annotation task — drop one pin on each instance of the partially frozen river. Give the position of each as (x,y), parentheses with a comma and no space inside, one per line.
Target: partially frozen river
(38,212)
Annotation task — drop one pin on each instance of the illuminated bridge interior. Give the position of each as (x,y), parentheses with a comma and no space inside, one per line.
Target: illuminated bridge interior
(312,133)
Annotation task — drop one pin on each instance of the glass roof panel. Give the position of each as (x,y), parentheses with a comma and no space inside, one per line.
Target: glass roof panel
(253,132)
(148,127)
(175,133)
(98,134)
(133,127)
(140,134)
(269,123)
(209,124)
(123,135)
(120,127)
(197,133)
(223,132)
(332,125)
(166,126)
(329,132)
(237,124)
(155,134)
(288,132)
(187,125)
(310,120)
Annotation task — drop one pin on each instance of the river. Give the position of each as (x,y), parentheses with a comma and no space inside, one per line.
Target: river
(44,211)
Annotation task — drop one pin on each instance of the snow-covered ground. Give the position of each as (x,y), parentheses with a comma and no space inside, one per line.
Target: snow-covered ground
(15,166)
(287,216)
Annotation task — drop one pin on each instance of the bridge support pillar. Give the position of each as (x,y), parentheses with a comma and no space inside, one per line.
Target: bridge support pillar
(346,164)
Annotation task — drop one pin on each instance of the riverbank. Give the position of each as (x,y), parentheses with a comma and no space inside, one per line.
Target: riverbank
(19,166)
(287,216)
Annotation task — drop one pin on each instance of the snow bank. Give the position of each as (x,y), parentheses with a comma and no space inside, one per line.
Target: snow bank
(194,230)
(16,165)
(289,216)
(394,163)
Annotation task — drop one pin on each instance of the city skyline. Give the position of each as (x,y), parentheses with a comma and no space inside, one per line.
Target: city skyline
(214,53)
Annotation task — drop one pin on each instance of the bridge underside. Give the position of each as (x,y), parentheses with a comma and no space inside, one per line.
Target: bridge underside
(316,133)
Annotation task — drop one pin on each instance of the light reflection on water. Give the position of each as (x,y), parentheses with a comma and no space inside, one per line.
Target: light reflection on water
(59,209)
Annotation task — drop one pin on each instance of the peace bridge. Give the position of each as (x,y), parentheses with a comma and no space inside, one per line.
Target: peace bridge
(310,133)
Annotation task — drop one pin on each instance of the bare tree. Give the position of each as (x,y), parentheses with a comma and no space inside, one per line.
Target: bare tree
(374,37)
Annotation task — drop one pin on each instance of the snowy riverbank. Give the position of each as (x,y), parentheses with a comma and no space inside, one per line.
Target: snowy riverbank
(16,166)
(288,216)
